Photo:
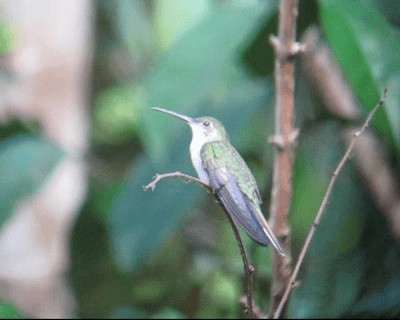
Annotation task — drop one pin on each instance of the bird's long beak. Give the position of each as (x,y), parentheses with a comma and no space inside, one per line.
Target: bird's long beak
(172,113)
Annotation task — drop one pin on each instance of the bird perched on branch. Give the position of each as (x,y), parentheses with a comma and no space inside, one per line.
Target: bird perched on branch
(219,165)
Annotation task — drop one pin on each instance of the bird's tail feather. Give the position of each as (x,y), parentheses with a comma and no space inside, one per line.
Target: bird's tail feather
(268,232)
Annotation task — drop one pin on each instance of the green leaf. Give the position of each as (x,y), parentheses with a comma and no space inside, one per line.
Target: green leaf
(332,270)
(188,73)
(25,163)
(8,311)
(141,221)
(367,49)
(172,18)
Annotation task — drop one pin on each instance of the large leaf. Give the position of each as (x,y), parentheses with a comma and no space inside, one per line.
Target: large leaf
(140,220)
(187,74)
(367,49)
(25,163)
(332,271)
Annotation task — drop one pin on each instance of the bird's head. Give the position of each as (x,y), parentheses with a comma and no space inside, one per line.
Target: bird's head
(204,129)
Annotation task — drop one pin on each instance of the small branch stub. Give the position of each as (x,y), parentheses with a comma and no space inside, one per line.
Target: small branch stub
(283,52)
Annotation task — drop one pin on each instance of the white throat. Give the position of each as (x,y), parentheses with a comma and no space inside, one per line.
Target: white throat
(199,139)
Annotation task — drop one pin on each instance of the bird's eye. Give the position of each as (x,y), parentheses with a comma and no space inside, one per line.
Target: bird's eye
(206,123)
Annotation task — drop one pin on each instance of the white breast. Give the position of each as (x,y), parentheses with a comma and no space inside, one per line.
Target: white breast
(195,153)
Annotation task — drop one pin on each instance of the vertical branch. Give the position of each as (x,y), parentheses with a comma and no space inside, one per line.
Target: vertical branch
(286,48)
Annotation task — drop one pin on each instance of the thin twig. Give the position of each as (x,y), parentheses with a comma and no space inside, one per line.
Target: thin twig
(369,155)
(175,174)
(321,209)
(285,47)
(248,268)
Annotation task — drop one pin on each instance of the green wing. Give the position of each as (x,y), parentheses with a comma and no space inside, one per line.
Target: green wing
(221,154)
(232,181)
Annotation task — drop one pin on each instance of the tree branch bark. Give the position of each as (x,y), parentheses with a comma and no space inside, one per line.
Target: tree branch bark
(285,47)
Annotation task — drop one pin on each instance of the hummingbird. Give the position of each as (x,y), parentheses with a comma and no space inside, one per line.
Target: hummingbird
(219,165)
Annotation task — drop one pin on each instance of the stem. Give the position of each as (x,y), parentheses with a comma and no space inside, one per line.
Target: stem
(249,269)
(368,154)
(175,174)
(284,138)
(321,209)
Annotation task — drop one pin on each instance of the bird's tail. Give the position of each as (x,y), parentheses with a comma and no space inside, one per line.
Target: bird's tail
(268,232)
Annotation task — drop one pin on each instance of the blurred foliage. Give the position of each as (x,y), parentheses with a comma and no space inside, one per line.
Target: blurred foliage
(170,253)
(333,276)
(8,311)
(7,37)
(365,45)
(25,163)
(219,87)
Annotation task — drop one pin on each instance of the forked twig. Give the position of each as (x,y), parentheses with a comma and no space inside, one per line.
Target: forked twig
(175,174)
(321,209)
(248,268)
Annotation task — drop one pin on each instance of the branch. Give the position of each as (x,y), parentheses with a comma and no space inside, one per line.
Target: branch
(258,314)
(321,209)
(370,156)
(176,174)
(373,165)
(248,268)
(327,77)
(284,138)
